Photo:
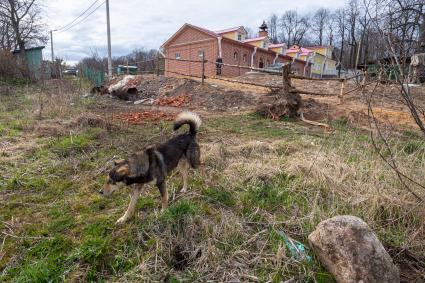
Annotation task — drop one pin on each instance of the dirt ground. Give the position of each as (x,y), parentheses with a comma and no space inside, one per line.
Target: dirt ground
(217,96)
(211,97)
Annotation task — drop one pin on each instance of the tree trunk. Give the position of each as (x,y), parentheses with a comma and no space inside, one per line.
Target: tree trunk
(19,41)
(421,40)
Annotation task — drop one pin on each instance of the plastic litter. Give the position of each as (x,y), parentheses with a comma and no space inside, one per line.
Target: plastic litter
(296,249)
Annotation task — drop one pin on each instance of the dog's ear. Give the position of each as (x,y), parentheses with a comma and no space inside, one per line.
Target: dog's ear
(123,170)
(119,161)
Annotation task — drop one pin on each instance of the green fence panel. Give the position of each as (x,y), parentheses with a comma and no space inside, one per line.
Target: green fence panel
(96,77)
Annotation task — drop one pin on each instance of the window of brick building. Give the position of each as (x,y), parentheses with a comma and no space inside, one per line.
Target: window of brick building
(178,56)
(235,56)
(239,37)
(200,52)
(244,57)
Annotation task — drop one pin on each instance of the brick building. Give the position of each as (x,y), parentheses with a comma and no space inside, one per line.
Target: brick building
(190,42)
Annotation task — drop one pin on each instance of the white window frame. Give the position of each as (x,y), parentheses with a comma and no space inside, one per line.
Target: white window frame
(178,56)
(239,37)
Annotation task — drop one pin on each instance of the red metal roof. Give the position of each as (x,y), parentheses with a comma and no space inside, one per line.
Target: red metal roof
(229,30)
(277,45)
(303,51)
(255,39)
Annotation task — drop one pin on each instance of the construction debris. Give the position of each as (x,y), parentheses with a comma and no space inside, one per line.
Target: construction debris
(126,88)
(176,101)
(138,118)
(179,92)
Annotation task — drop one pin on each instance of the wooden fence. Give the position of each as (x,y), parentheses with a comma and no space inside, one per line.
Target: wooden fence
(285,84)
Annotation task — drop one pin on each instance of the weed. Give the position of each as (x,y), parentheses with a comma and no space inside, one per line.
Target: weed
(178,213)
(219,195)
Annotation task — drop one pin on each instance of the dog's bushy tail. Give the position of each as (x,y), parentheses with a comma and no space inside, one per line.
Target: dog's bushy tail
(190,118)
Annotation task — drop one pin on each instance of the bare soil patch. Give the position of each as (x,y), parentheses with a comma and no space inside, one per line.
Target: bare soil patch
(185,92)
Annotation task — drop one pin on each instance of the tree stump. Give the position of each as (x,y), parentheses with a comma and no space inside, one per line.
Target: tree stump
(284,103)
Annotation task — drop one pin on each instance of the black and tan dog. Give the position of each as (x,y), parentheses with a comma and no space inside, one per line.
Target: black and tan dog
(153,164)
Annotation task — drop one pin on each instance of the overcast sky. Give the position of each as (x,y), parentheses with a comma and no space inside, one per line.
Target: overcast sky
(147,24)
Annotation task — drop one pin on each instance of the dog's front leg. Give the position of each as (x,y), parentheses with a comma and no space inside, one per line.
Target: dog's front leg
(135,194)
(164,194)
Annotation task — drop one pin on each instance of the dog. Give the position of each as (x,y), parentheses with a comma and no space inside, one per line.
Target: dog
(153,164)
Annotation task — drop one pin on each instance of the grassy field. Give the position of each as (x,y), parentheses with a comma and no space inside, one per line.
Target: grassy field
(260,178)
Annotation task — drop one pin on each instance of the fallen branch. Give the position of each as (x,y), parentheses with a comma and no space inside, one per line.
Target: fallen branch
(314,122)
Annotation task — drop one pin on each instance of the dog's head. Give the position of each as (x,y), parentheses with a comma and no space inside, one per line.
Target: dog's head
(115,177)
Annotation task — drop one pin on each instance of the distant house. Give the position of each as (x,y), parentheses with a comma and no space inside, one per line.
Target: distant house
(231,45)
(124,69)
(34,59)
(279,48)
(319,56)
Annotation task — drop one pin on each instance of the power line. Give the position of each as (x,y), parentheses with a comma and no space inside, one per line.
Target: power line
(85,11)
(84,18)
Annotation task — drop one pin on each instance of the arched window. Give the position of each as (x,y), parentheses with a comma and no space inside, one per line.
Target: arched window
(236,56)
(244,57)
(261,64)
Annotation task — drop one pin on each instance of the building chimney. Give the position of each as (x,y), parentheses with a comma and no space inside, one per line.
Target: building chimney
(263,30)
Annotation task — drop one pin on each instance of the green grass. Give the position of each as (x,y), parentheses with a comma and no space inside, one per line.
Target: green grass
(219,195)
(176,214)
(65,231)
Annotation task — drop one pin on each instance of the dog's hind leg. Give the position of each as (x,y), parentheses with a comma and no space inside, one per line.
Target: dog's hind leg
(135,194)
(184,169)
(193,155)
(164,194)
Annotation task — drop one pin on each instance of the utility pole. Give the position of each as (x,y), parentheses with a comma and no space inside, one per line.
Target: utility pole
(51,45)
(108,28)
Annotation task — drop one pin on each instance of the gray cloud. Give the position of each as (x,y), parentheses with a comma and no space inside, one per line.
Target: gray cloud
(147,24)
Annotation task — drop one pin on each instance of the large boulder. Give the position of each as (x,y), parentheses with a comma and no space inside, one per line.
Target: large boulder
(349,249)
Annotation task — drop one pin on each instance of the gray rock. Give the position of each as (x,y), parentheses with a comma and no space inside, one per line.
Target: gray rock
(350,250)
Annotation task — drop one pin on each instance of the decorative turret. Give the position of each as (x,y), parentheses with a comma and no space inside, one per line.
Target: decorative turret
(263,30)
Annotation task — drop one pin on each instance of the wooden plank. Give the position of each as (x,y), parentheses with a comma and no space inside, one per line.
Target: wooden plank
(247,83)
(295,90)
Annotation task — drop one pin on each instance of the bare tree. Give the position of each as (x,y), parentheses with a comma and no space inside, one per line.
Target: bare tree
(6,34)
(272,23)
(352,13)
(294,27)
(319,23)
(340,23)
(331,28)
(21,23)
(249,32)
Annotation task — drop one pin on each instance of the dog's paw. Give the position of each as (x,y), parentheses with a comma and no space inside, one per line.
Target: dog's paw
(121,220)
